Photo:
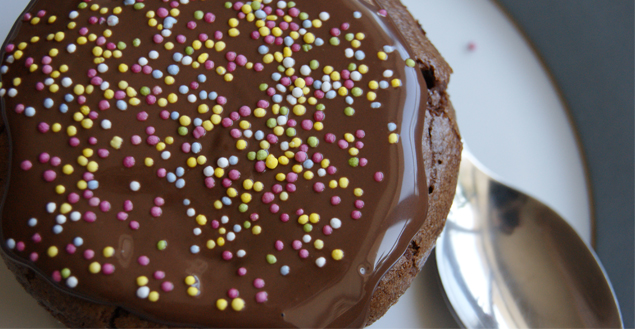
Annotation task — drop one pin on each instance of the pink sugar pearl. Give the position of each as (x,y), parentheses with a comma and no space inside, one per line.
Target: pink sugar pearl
(232,293)
(268,197)
(89,254)
(26,165)
(356,214)
(108,269)
(156,212)
(159,275)
(134,225)
(227,255)
(143,260)
(303,253)
(49,175)
(242,271)
(261,297)
(296,244)
(284,217)
(379,176)
(167,286)
(259,283)
(327,230)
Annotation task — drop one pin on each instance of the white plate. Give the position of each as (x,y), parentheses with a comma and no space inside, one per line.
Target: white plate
(509,112)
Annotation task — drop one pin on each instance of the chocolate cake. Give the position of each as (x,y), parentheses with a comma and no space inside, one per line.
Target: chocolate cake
(222,164)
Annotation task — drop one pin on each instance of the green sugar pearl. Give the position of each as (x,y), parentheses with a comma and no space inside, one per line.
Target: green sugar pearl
(320,107)
(306,48)
(284,110)
(410,62)
(290,132)
(349,36)
(307,227)
(189,50)
(228,4)
(121,45)
(136,42)
(303,16)
(352,67)
(313,141)
(290,4)
(349,111)
(334,41)
(271,259)
(356,91)
(353,162)
(314,64)
(243,207)
(263,86)
(139,6)
(262,155)
(65,273)
(182,131)
(255,5)
(161,245)
(145,91)
(272,123)
(251,156)
(82,5)
(199,14)
(247,225)
(281,68)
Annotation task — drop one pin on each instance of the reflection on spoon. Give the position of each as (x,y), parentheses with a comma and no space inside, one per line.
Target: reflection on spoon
(507,260)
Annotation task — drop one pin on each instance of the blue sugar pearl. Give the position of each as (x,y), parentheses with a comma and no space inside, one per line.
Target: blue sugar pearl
(184,89)
(69,98)
(173,69)
(122,105)
(93,184)
(48,103)
(171,177)
(180,183)
(186,202)
(63,108)
(174,115)
(180,171)
(177,57)
(196,147)
(202,94)
(202,78)
(308,164)
(213,95)
(197,122)
(226,201)
(277,98)
(157,74)
(263,50)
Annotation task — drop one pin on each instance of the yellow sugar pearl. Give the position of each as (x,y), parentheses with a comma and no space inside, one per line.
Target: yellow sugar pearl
(297,168)
(160,146)
(327,69)
(353,151)
(312,100)
(174,12)
(197,45)
(148,162)
(35,20)
(153,296)
(82,185)
(325,163)
(59,36)
(343,91)
(303,219)
(92,166)
(168,46)
(299,110)
(209,44)
(228,77)
(300,83)
(264,145)
(201,219)
(87,123)
(221,304)
(54,88)
(245,197)
(203,108)
(52,251)
(219,172)
(109,252)
(184,120)
(333,184)
(314,218)
(258,186)
(217,109)
(173,98)
(123,68)
(248,184)
(65,208)
(238,304)
(283,160)
(77,116)
(244,124)
(278,131)
(202,58)
(201,160)
(349,137)
(318,244)
(98,51)
(208,125)
(221,241)
(358,192)
(382,55)
(363,69)
(190,280)
(284,196)
(71,25)
(241,144)
(233,32)
(82,160)
(343,182)
(162,102)
(317,23)
(94,267)
(218,205)
(192,291)
(267,59)
(371,96)
(318,126)
(308,175)
(71,131)
(210,244)
(191,162)
(56,127)
(169,80)
(260,112)
(393,138)
(276,31)
(116,142)
(60,189)
(117,10)
(280,177)
(337,254)
(309,38)
(289,154)
(52,19)
(221,70)
(395,83)
(220,46)
(79,90)
(256,230)
(231,192)
(67,169)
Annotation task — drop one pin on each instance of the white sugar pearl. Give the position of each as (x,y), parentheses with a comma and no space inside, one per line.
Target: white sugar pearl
(326,86)
(384,84)
(241,253)
(29,112)
(222,162)
(165,155)
(191,98)
(357,15)
(375,105)
(297,92)
(106,124)
(60,219)
(292,100)
(321,172)
(324,16)
(153,54)
(349,53)
(320,262)
(337,85)
(102,68)
(71,48)
(143,61)
(231,236)
(284,146)
(104,85)
(11,244)
(248,133)
(32,222)
(388,73)
(71,282)
(67,82)
(187,61)
(305,70)
(282,4)
(282,120)
(12,92)
(224,219)
(331,94)
(288,62)
(186,202)
(50,207)
(392,126)
(73,14)
(306,238)
(197,231)
(259,135)
(191,212)
(281,88)
(75,216)
(336,223)
(208,171)
(112,20)
(135,186)
(195,249)
(360,55)
(143,292)
(389,49)
(196,147)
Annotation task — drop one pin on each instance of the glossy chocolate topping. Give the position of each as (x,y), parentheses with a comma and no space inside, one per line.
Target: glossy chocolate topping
(215,164)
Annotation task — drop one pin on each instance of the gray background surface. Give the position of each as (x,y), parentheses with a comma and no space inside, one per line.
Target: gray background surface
(588,47)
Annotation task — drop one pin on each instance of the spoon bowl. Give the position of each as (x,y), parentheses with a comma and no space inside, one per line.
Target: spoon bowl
(507,260)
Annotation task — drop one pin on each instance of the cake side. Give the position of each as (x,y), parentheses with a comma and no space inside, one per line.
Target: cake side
(441,144)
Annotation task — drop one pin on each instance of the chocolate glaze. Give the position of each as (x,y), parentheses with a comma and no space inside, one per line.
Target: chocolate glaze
(336,295)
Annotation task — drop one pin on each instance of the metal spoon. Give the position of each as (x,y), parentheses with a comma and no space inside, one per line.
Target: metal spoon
(508,261)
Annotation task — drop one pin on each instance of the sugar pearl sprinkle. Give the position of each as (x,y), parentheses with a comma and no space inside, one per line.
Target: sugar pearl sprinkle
(126,113)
